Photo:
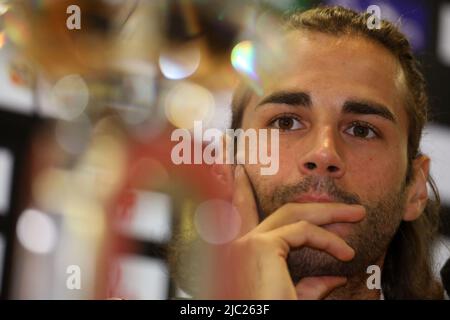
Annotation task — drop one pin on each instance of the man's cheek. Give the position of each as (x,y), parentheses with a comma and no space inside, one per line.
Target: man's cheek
(264,184)
(287,164)
(258,179)
(375,179)
(281,162)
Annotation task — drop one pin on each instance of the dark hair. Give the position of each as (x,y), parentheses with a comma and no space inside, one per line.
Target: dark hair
(407,272)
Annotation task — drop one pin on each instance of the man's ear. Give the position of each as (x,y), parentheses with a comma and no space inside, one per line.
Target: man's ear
(417,194)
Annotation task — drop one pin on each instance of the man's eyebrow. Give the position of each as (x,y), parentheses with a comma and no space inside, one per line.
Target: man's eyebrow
(300,98)
(368,107)
(286,97)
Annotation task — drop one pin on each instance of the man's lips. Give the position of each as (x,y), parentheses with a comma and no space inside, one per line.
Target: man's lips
(314,197)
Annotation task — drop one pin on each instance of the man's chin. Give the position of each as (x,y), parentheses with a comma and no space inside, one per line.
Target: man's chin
(307,262)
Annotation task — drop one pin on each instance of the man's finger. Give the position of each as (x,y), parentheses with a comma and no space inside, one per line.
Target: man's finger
(306,234)
(244,201)
(315,213)
(313,288)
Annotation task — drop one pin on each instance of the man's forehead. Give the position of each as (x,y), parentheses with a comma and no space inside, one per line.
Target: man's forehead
(354,65)
(321,53)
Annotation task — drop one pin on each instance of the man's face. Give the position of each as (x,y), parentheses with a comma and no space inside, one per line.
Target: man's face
(338,104)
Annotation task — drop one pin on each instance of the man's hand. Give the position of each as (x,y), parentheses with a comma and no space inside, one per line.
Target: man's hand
(257,259)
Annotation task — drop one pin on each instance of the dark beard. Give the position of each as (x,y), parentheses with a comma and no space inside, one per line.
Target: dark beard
(370,237)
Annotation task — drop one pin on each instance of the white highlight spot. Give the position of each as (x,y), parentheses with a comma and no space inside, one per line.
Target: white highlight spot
(443,45)
(36,231)
(6,168)
(436,144)
(179,64)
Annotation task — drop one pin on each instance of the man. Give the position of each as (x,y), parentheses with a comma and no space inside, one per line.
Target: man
(351,189)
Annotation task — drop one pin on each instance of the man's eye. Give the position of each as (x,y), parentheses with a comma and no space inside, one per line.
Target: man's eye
(286,123)
(361,131)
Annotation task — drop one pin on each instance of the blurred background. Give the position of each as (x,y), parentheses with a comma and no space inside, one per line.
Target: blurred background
(86,180)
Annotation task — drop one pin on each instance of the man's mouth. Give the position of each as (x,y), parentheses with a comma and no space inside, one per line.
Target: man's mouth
(314,197)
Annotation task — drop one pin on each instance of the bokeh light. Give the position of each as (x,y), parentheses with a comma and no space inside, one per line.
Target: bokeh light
(73,136)
(2,39)
(36,231)
(243,59)
(70,95)
(217,221)
(3,8)
(181,63)
(188,102)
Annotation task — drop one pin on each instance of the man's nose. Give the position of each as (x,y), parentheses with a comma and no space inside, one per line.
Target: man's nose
(321,156)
